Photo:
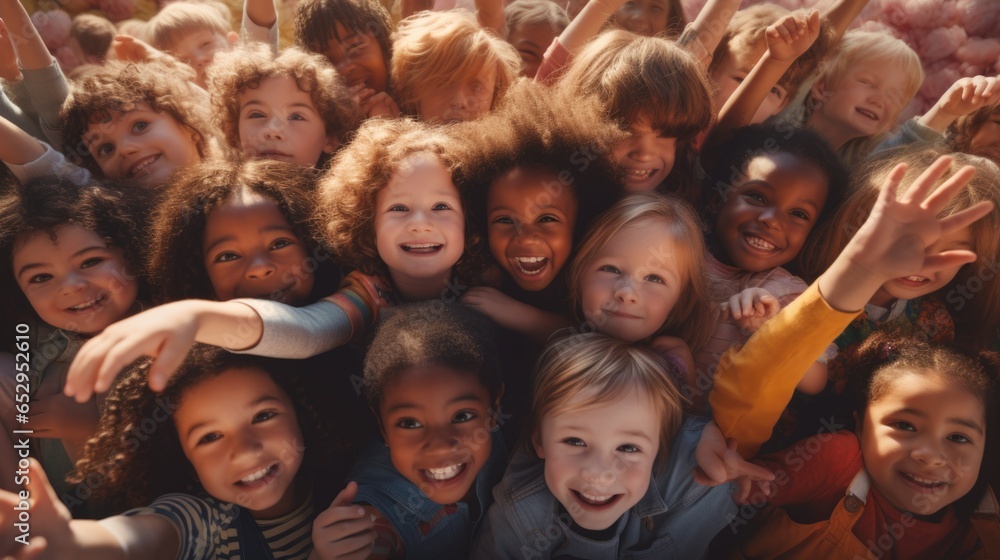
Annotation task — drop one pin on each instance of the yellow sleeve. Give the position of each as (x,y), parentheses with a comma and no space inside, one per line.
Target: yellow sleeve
(755,382)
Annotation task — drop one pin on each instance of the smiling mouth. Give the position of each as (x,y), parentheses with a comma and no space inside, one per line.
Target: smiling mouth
(421,248)
(596,501)
(620,314)
(529,266)
(870,114)
(639,175)
(140,165)
(923,483)
(260,477)
(759,243)
(89,305)
(444,474)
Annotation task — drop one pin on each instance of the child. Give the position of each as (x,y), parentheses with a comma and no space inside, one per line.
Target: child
(90,38)
(446,68)
(538,175)
(291,107)
(433,380)
(223,467)
(137,123)
(639,276)
(531,27)
(612,472)
(656,91)
(71,262)
(392,212)
(227,230)
(978,133)
(651,18)
(354,35)
(861,91)
(774,186)
(193,33)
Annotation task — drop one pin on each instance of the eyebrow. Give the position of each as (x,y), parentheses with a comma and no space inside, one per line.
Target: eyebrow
(461,398)
(257,102)
(962,421)
(31,266)
(231,237)
(263,399)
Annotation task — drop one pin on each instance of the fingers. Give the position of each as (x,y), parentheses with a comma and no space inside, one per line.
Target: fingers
(168,360)
(965,218)
(925,182)
(347,495)
(940,197)
(890,187)
(770,306)
(711,468)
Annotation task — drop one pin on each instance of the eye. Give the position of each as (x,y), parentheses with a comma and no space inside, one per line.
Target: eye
(139,126)
(801,214)
(655,279)
(205,44)
(296,117)
(629,448)
(209,438)
(264,416)
(409,424)
(865,81)
(903,426)
(609,268)
(39,278)
(464,416)
(959,438)
(105,149)
(282,243)
(255,115)
(93,261)
(777,92)
(503,220)
(227,256)
(547,218)
(755,196)
(575,442)
(398,208)
(441,206)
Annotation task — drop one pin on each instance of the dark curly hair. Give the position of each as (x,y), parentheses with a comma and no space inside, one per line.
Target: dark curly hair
(176,262)
(48,203)
(117,87)
(536,128)
(961,133)
(347,191)
(244,67)
(315,23)
(432,333)
(882,357)
(136,455)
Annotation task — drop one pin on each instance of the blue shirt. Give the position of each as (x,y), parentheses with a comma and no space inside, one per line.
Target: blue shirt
(675,519)
(427,529)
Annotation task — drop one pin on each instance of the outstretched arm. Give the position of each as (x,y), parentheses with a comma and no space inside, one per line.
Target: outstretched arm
(489,13)
(963,97)
(840,15)
(703,35)
(17,146)
(28,44)
(514,315)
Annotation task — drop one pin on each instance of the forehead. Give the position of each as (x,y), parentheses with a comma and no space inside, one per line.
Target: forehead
(276,90)
(432,385)
(528,190)
(591,410)
(419,174)
(536,34)
(930,393)
(192,38)
(650,239)
(235,389)
(112,119)
(68,239)
(790,175)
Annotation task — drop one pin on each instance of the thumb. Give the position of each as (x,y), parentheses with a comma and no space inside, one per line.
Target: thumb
(44,502)
(346,496)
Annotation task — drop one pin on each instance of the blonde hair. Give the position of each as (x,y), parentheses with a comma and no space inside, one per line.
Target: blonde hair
(243,68)
(179,19)
(533,12)
(857,45)
(431,50)
(648,78)
(607,368)
(823,248)
(691,318)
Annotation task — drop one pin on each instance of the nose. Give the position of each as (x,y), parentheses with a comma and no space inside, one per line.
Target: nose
(928,452)
(770,217)
(73,283)
(442,438)
(598,471)
(420,220)
(245,444)
(127,146)
(634,20)
(640,148)
(625,290)
(260,267)
(275,128)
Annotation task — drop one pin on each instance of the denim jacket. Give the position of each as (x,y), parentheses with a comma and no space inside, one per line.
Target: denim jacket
(427,529)
(675,519)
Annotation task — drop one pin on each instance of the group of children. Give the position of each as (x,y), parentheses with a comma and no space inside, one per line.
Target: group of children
(544,280)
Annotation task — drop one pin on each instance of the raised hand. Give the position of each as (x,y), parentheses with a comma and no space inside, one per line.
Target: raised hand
(344,530)
(719,462)
(9,68)
(964,96)
(792,35)
(751,308)
(51,536)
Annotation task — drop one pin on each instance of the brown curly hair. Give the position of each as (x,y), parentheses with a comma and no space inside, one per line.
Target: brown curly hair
(45,204)
(347,191)
(315,23)
(243,68)
(176,264)
(136,456)
(961,133)
(117,87)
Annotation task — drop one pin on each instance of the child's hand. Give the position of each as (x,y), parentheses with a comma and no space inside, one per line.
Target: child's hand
(792,35)
(894,239)
(963,97)
(131,49)
(51,536)
(60,417)
(343,530)
(9,68)
(751,308)
(719,462)
(493,303)
(374,104)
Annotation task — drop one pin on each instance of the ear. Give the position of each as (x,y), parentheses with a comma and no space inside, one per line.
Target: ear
(232,37)
(536,442)
(817,94)
(332,143)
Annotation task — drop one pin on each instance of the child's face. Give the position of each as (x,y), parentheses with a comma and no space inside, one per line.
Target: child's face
(198,50)
(599,458)
(530,216)
(647,157)
(358,57)
(250,250)
(865,101)
(142,146)
(280,121)
(419,221)
(765,220)
(923,442)
(437,422)
(531,40)
(634,282)
(241,434)
(76,281)
(644,17)
(464,100)
(927,282)
(731,72)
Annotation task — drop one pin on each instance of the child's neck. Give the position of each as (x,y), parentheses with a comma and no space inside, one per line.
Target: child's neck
(409,288)
(833,131)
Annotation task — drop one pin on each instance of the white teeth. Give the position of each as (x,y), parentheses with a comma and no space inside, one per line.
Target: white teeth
(916,278)
(871,115)
(639,173)
(445,473)
(530,259)
(596,498)
(258,475)
(422,245)
(142,165)
(925,481)
(87,304)
(759,243)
